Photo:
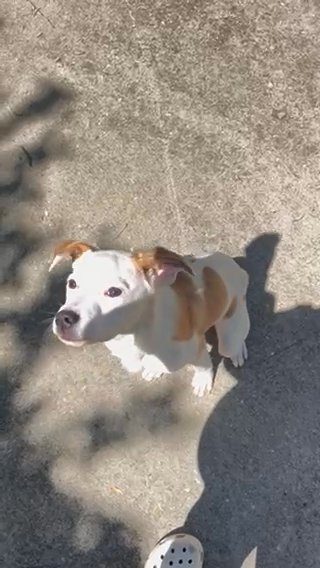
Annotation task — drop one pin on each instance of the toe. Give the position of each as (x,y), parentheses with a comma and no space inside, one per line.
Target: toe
(201,385)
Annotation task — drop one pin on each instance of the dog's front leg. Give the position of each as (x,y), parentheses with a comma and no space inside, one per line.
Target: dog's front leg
(131,363)
(203,377)
(152,367)
(129,355)
(167,357)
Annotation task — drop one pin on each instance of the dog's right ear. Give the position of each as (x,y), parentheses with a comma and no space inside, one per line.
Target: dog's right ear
(69,250)
(161,265)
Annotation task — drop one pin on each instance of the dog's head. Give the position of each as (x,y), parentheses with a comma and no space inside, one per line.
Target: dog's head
(106,292)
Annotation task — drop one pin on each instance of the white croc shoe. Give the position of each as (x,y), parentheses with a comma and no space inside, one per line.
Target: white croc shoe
(176,551)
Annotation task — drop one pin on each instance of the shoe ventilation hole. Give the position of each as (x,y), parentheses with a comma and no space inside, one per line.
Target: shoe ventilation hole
(180,562)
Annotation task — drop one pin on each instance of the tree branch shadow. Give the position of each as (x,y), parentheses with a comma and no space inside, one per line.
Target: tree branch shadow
(42,527)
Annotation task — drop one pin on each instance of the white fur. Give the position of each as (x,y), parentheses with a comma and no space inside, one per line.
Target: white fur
(139,325)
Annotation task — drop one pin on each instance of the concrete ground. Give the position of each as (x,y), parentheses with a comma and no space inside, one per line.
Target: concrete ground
(194,124)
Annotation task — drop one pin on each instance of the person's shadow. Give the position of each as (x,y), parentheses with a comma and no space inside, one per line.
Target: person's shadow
(259,452)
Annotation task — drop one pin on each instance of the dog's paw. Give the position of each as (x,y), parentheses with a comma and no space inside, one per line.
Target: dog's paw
(239,358)
(152,367)
(202,382)
(132,365)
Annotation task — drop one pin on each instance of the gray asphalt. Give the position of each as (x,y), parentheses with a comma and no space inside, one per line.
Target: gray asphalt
(195,125)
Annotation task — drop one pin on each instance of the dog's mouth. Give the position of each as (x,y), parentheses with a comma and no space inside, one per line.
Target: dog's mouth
(67,337)
(77,343)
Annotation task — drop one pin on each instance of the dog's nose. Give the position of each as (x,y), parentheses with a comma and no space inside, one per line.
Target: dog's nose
(66,318)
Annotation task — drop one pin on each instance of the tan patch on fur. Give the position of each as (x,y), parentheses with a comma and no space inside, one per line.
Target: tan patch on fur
(198,310)
(215,296)
(73,249)
(69,249)
(155,259)
(232,308)
(190,308)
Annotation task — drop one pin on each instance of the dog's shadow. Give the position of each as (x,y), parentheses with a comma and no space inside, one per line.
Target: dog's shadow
(259,451)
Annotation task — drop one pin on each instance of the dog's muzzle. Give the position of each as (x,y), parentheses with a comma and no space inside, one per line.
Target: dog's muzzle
(65,319)
(64,325)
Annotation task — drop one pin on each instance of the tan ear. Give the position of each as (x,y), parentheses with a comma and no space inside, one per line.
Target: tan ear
(161,262)
(69,250)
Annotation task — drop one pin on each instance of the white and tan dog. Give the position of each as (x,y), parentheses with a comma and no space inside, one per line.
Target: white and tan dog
(152,308)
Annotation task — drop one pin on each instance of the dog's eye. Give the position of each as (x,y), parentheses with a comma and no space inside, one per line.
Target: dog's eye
(113,292)
(72,284)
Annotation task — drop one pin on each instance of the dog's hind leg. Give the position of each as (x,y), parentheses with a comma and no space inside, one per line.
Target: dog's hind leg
(232,333)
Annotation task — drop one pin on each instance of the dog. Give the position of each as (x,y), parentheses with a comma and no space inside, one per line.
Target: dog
(152,308)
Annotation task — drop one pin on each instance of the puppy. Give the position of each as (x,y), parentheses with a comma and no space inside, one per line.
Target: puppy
(152,308)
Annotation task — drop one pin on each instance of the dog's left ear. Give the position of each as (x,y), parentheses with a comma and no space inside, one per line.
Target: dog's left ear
(69,250)
(161,265)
